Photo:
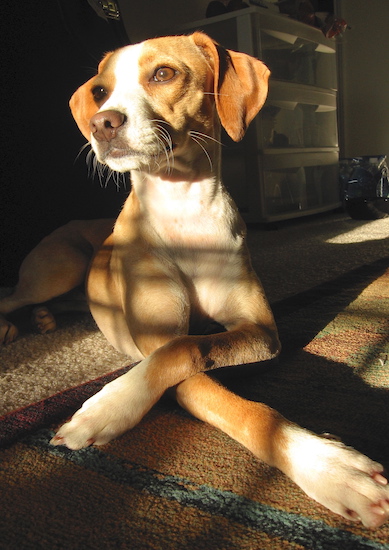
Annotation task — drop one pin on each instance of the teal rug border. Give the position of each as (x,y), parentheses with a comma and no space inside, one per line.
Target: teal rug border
(291,527)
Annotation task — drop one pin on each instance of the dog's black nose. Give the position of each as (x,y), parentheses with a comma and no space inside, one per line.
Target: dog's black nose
(104,125)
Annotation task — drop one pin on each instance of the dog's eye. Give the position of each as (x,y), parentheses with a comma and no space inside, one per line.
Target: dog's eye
(99,93)
(164,74)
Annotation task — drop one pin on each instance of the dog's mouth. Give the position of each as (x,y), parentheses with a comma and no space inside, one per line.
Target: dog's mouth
(123,159)
(119,152)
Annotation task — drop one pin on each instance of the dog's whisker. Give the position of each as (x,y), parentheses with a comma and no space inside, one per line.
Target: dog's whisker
(161,121)
(166,142)
(108,177)
(82,150)
(204,137)
(163,140)
(169,142)
(94,166)
(118,178)
(204,149)
(99,170)
(91,163)
(102,171)
(165,135)
(121,180)
(163,147)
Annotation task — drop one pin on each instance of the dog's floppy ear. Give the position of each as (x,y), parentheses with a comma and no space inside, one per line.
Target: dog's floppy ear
(82,104)
(240,85)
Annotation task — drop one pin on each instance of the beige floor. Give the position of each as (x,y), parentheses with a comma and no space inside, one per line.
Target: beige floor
(294,257)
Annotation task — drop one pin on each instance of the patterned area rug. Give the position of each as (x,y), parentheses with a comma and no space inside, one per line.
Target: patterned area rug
(176,483)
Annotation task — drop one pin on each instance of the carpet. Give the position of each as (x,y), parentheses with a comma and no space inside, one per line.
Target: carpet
(174,482)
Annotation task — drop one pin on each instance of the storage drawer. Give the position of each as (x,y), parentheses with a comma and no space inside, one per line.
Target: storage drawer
(296,52)
(295,59)
(303,185)
(297,116)
(287,164)
(288,185)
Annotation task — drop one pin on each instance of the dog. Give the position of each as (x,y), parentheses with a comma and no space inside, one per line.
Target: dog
(176,260)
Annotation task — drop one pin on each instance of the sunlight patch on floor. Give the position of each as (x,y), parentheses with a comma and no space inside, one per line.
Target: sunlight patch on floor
(369,231)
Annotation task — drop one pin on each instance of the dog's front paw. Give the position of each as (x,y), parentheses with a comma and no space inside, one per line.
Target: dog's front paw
(8,331)
(118,407)
(340,478)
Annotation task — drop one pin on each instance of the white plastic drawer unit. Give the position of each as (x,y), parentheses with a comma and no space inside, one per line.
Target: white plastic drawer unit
(287,164)
(297,116)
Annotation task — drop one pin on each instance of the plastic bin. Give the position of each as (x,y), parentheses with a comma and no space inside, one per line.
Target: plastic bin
(365,186)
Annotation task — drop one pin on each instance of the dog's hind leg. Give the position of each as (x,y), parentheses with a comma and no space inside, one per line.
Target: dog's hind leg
(57,265)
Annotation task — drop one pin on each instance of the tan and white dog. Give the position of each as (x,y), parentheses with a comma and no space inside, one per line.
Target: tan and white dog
(177,260)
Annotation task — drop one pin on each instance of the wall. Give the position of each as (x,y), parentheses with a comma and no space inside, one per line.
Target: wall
(364,81)
(150,18)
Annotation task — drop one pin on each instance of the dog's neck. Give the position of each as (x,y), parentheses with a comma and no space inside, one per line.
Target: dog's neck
(187,186)
(176,197)
(191,214)
(188,202)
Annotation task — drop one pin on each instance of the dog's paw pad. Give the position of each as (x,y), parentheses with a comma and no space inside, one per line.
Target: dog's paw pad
(43,320)
(8,331)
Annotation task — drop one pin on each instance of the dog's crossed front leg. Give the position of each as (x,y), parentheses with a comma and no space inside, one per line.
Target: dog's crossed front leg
(121,404)
(338,477)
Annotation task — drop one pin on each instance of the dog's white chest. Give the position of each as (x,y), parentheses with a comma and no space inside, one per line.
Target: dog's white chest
(198,239)
(193,227)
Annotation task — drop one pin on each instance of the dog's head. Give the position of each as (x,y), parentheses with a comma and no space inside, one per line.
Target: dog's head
(155,100)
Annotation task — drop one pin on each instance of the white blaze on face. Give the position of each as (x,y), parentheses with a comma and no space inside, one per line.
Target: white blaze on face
(126,96)
(135,142)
